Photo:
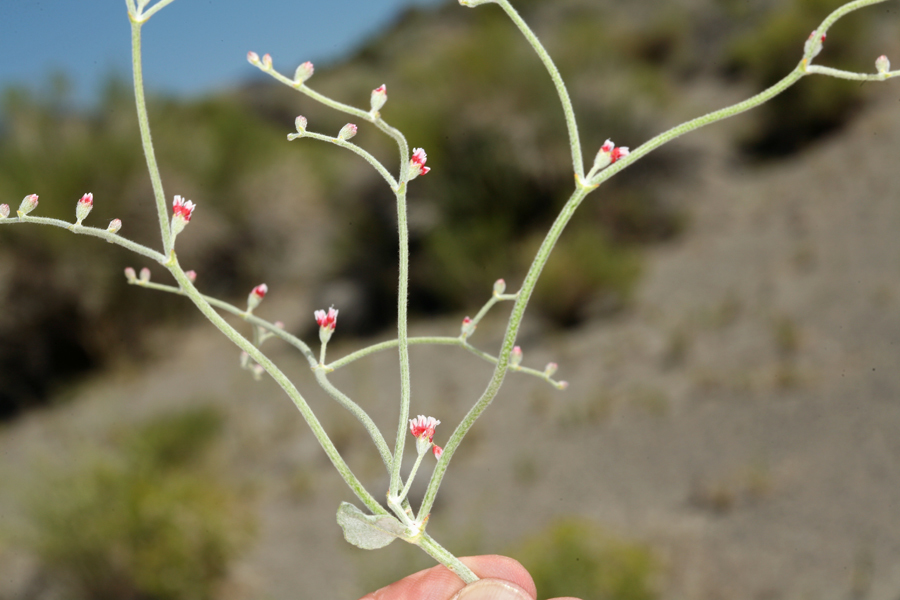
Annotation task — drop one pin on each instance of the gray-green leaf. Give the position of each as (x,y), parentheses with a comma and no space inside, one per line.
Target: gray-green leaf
(368,532)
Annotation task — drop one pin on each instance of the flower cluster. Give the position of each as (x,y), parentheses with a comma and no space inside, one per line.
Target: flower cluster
(181,214)
(417,163)
(422,428)
(327,321)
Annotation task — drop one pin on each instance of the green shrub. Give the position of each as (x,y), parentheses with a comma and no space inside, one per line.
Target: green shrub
(152,521)
(574,558)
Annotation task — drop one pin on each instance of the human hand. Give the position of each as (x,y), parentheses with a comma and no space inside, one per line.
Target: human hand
(502,578)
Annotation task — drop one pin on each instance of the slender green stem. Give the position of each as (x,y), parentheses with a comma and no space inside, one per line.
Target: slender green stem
(574,141)
(353,148)
(412,475)
(509,339)
(402,337)
(843,10)
(146,140)
(112,238)
(281,379)
(361,415)
(154,9)
(440,554)
(817,70)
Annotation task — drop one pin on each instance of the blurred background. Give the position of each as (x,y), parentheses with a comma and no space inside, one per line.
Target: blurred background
(726,311)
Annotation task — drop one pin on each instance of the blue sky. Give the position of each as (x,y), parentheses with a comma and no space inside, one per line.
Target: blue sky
(190,47)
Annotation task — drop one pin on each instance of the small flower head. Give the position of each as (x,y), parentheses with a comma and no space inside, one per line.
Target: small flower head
(83,207)
(327,322)
(130,275)
(145,275)
(379,97)
(882,64)
(4,211)
(438,451)
(191,275)
(608,155)
(114,226)
(253,58)
(182,210)
(499,287)
(267,61)
(467,328)
(515,358)
(347,132)
(417,163)
(550,369)
(256,296)
(303,72)
(29,203)
(422,428)
(562,385)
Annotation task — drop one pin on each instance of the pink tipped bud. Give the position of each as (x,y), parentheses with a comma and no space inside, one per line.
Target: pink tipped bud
(882,65)
(550,369)
(300,124)
(563,385)
(257,371)
(29,203)
(114,226)
(191,275)
(4,211)
(145,275)
(608,154)
(347,132)
(327,321)
(267,61)
(813,45)
(467,328)
(130,275)
(379,97)
(417,164)
(303,72)
(256,296)
(438,451)
(515,359)
(499,287)
(278,324)
(83,207)
(253,58)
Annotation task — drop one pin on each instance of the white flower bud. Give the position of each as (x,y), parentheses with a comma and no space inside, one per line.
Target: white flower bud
(882,64)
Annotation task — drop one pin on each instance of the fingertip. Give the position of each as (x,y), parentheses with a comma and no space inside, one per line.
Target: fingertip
(495,566)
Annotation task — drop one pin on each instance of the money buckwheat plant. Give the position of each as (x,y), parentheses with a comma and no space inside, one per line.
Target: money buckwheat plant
(377,524)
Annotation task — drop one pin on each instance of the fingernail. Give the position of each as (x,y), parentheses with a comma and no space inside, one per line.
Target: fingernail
(492,589)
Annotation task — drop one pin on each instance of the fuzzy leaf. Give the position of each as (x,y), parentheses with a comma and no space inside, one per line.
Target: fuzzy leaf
(368,532)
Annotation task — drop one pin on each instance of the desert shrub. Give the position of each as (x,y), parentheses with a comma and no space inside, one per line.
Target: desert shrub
(575,558)
(150,521)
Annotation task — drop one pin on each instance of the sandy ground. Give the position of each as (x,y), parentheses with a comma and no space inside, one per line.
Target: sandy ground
(742,417)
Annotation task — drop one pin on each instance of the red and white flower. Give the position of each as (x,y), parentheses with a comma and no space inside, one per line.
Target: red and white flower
(438,451)
(422,428)
(608,155)
(182,210)
(417,163)
(83,207)
(327,322)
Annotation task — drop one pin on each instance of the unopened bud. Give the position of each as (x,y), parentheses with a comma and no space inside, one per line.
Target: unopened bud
(813,45)
(499,286)
(253,58)
(256,296)
(145,275)
(114,226)
(300,123)
(4,211)
(438,451)
(347,132)
(278,324)
(379,97)
(257,371)
(130,275)
(550,369)
(245,360)
(303,72)
(468,327)
(83,207)
(191,275)
(608,155)
(29,203)
(882,64)
(562,385)
(267,61)
(515,358)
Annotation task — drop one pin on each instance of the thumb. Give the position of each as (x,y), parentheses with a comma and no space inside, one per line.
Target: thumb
(492,589)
